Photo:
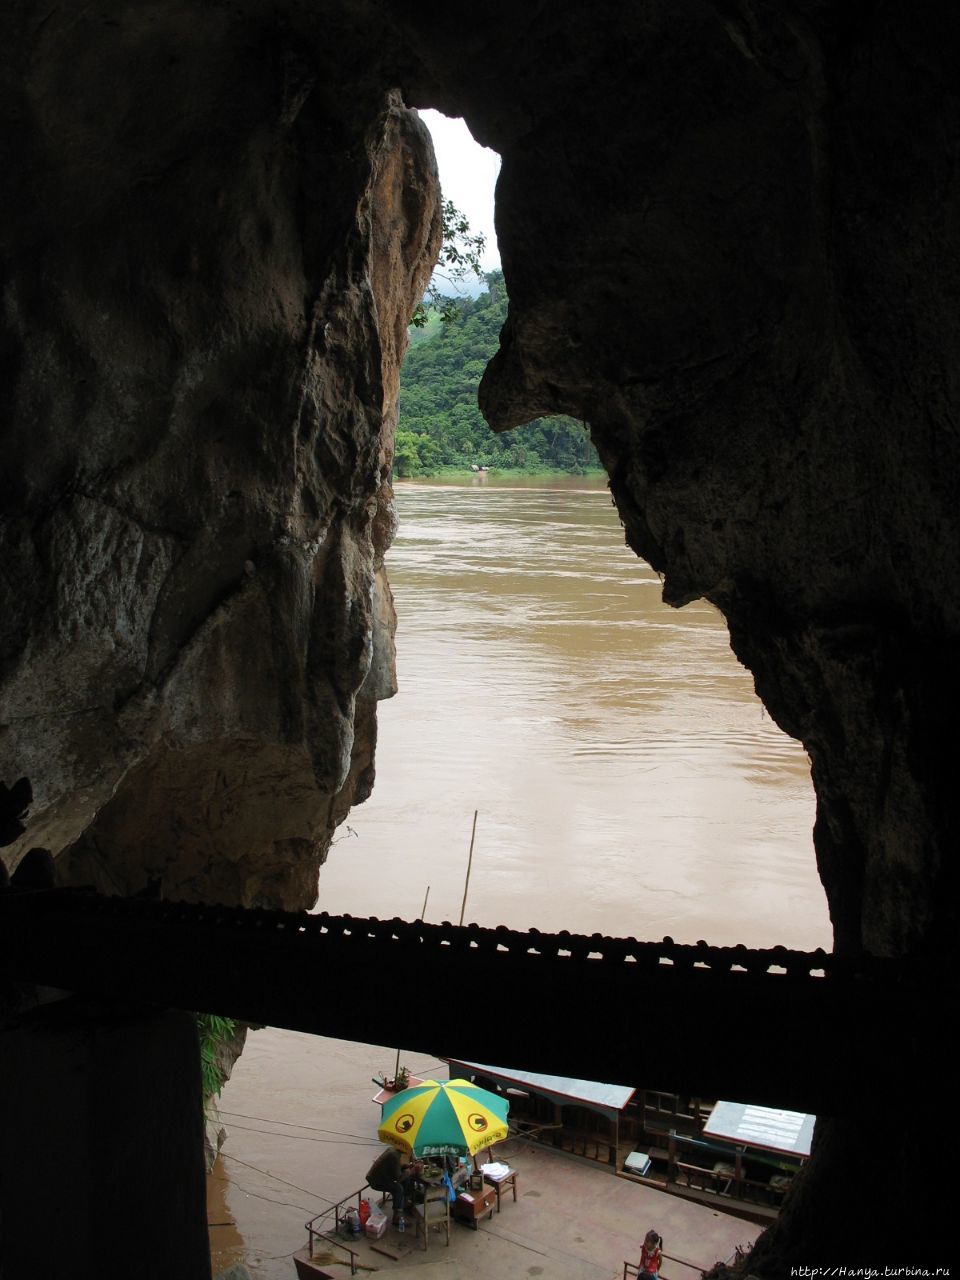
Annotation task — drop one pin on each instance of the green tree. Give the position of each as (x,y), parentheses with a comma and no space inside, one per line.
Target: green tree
(415,453)
(440,421)
(460,254)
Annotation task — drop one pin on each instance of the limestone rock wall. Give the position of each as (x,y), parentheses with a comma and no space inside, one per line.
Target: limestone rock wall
(729,234)
(732,249)
(213,269)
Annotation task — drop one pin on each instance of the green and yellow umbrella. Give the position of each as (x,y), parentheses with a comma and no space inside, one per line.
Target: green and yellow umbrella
(444,1118)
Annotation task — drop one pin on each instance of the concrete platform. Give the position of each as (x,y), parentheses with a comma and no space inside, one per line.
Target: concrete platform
(571,1221)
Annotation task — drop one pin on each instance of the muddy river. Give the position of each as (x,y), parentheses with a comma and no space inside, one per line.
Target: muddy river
(626,780)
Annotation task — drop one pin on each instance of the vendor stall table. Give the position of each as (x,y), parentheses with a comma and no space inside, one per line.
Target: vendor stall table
(470,1206)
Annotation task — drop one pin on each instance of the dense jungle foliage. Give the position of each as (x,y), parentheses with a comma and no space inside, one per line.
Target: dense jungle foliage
(440,423)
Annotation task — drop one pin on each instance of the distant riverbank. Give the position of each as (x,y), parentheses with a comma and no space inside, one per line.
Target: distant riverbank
(545,477)
(440,420)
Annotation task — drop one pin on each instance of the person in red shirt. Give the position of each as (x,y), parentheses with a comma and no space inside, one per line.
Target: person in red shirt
(650,1256)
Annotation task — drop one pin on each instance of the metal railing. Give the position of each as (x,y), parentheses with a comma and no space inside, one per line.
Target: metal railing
(268,966)
(329,1233)
(726,1175)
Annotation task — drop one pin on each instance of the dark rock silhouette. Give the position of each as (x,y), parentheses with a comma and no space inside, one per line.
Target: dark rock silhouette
(729,234)
(14,803)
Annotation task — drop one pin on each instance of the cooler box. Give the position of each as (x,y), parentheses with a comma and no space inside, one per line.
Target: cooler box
(375,1227)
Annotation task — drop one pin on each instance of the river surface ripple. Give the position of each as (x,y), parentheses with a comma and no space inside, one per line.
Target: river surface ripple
(628,779)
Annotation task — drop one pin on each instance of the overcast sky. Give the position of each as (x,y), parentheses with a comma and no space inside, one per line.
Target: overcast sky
(468,174)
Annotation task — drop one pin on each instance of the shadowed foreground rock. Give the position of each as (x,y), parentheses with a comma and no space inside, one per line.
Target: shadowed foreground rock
(729,233)
(195,623)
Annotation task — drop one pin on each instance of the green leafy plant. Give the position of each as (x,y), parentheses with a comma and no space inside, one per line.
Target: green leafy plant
(460,254)
(214,1032)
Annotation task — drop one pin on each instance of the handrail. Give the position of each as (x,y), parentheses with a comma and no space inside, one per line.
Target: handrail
(262,966)
(324,1234)
(534,1131)
(776,963)
(331,1240)
(783,1163)
(336,1209)
(750,1190)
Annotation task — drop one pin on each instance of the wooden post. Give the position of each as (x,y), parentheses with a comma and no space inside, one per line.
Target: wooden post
(466,884)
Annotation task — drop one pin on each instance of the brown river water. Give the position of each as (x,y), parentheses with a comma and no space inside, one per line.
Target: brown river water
(627,780)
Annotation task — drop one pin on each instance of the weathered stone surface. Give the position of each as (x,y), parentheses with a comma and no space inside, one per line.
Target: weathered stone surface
(729,232)
(767,373)
(195,624)
(237,1272)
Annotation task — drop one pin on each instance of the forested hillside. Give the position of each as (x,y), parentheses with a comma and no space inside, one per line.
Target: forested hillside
(440,423)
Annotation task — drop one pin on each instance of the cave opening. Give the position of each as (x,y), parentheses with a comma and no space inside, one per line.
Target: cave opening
(478,700)
(730,231)
(490,718)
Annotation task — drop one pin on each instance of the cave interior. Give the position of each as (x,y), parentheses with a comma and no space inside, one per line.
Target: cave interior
(729,233)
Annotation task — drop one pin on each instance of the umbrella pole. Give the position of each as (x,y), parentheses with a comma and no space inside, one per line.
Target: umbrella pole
(423,909)
(466,884)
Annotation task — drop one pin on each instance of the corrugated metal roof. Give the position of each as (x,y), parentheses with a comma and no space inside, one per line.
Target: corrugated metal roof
(788,1133)
(608,1099)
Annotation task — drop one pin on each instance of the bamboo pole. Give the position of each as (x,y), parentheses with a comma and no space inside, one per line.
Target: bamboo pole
(423,912)
(466,883)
